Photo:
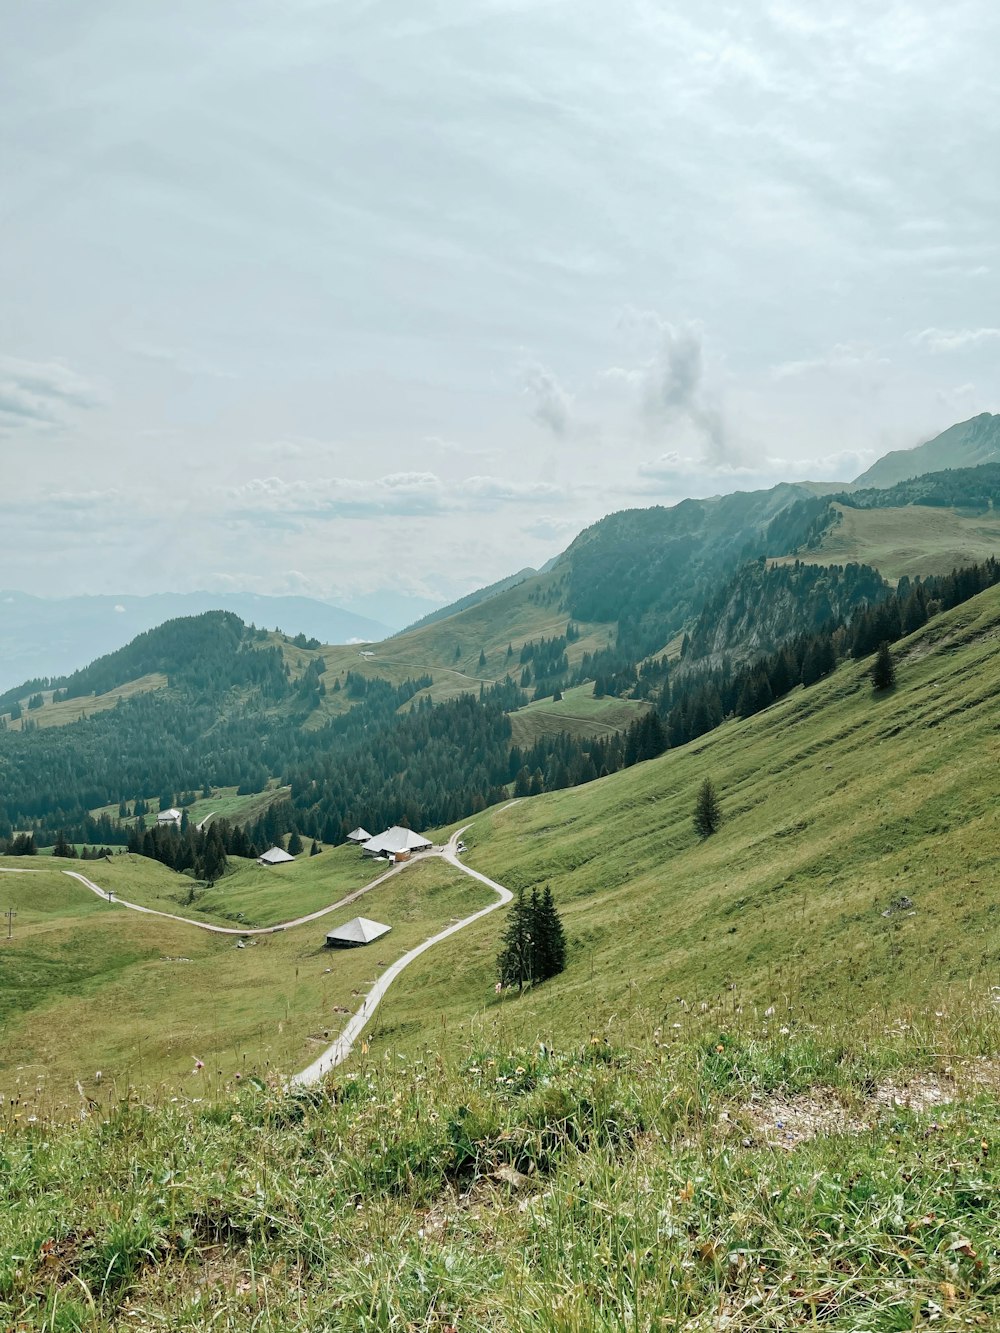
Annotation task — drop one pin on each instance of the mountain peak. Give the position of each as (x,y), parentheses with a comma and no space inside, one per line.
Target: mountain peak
(966,444)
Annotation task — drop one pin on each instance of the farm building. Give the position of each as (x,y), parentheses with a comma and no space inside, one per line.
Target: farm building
(277,856)
(169,818)
(359,836)
(395,840)
(356,932)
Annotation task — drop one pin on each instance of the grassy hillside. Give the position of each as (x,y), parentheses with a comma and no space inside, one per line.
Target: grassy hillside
(838,806)
(763,1095)
(71,710)
(911,540)
(449,649)
(85,986)
(578,712)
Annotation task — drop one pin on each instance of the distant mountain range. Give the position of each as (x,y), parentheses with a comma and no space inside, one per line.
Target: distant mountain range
(967,444)
(634,567)
(42,636)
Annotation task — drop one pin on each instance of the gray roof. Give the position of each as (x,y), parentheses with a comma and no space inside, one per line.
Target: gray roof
(397,839)
(359,931)
(359,835)
(168,816)
(275,857)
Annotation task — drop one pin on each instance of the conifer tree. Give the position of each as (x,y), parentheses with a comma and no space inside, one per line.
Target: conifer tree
(707,811)
(514,959)
(549,953)
(883,669)
(315,849)
(295,843)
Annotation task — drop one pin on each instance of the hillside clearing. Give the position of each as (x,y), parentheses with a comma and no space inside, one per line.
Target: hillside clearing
(578,713)
(918,539)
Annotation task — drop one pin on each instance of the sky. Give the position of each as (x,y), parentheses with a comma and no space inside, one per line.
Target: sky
(334,298)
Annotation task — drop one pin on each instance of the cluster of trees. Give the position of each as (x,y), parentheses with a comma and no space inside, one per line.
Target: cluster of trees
(960,488)
(201,851)
(68,850)
(20,844)
(534,942)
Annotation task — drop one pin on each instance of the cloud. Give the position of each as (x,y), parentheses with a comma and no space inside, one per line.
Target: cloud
(673,472)
(400,494)
(496,490)
(38,392)
(953,340)
(672,383)
(842,357)
(552,406)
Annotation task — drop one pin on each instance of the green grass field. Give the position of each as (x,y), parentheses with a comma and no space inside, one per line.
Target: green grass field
(578,712)
(914,540)
(85,986)
(249,895)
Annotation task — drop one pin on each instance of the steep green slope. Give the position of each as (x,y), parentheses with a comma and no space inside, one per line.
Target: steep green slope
(966,444)
(472,599)
(838,805)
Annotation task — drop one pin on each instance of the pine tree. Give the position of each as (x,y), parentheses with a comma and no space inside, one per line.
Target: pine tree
(707,811)
(482,658)
(883,671)
(295,843)
(514,958)
(315,849)
(549,954)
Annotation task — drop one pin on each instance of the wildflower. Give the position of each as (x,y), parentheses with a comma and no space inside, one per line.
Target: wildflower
(198,1064)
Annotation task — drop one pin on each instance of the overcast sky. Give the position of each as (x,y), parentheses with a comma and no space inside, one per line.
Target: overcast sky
(328,297)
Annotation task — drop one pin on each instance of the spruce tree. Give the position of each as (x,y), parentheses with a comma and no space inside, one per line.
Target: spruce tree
(315,849)
(294,843)
(549,954)
(883,671)
(707,811)
(514,958)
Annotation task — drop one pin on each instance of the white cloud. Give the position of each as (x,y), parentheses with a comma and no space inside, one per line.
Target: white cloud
(843,357)
(39,392)
(672,384)
(953,340)
(401,494)
(551,405)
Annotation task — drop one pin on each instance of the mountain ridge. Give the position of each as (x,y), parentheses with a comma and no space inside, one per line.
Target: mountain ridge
(965,444)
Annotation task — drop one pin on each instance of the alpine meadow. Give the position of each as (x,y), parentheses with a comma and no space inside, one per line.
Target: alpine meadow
(499,668)
(728,1054)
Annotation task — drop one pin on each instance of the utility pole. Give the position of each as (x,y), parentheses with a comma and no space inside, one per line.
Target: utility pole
(10,914)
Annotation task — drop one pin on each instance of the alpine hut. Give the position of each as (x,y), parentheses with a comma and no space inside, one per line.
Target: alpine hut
(359,836)
(277,856)
(357,932)
(395,842)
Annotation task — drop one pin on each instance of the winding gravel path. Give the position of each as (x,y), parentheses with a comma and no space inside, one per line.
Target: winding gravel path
(244,930)
(338,1052)
(340,1049)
